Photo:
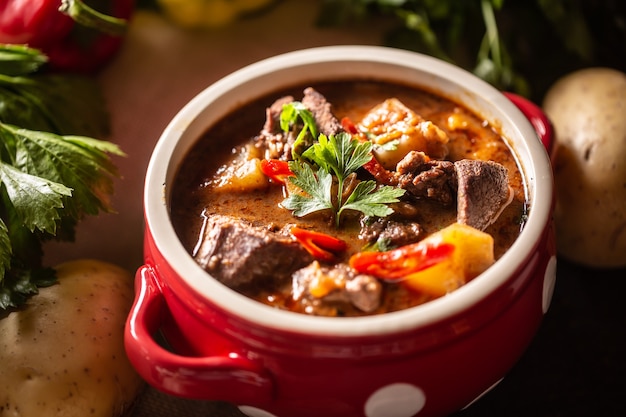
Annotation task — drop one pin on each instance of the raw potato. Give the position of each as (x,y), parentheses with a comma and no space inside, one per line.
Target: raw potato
(588,110)
(63,354)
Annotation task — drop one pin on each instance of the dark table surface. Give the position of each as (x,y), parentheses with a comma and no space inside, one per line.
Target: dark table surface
(576,365)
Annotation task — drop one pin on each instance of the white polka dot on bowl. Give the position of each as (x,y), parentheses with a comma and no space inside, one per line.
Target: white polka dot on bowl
(395,400)
(549,281)
(254,412)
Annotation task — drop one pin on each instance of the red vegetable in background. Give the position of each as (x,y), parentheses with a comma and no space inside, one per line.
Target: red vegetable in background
(83,40)
(35,22)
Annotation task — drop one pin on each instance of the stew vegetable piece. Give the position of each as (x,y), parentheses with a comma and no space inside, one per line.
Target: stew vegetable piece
(356,198)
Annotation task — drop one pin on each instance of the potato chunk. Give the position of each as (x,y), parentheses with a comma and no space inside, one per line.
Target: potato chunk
(242,173)
(62,354)
(472,255)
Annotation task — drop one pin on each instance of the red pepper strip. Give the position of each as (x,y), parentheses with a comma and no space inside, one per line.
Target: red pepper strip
(322,246)
(349,126)
(276,170)
(396,264)
(379,172)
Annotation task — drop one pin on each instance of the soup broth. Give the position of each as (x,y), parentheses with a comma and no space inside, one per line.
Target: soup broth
(207,185)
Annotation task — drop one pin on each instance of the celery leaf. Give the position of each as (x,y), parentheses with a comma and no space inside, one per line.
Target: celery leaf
(48,182)
(36,200)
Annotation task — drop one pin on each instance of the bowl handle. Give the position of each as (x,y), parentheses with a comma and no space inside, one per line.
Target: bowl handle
(232,378)
(537,118)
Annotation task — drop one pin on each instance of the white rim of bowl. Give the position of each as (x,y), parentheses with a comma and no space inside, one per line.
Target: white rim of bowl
(168,151)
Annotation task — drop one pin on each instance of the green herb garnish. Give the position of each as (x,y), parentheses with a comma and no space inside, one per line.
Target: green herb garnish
(339,156)
(291,116)
(52,174)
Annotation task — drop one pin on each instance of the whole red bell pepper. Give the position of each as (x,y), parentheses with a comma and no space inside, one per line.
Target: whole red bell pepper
(77,36)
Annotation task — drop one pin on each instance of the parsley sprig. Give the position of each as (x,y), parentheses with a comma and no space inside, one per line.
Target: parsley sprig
(339,156)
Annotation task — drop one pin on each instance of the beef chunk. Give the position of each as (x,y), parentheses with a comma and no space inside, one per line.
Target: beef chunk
(322,111)
(321,288)
(480,189)
(272,116)
(425,178)
(274,142)
(238,254)
(364,292)
(277,144)
(483,192)
(392,232)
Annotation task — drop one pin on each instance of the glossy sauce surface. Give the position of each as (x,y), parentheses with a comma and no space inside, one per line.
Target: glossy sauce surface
(470,138)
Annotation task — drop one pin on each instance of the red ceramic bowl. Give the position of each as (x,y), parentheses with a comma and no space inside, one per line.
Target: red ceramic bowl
(429,360)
